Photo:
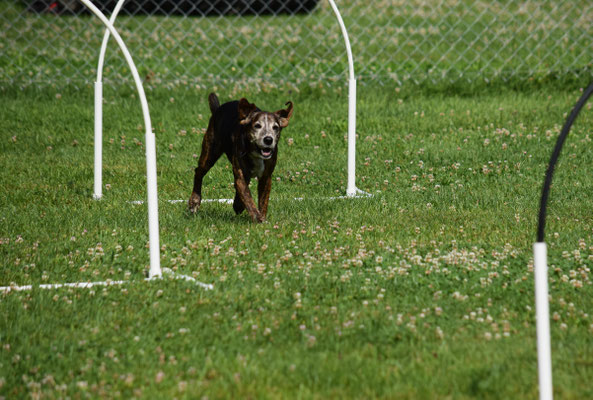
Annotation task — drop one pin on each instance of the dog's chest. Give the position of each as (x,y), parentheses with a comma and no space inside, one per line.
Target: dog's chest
(258,166)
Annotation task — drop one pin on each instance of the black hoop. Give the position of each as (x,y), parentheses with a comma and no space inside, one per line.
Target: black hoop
(554,158)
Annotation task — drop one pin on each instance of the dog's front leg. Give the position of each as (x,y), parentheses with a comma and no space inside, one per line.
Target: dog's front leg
(238,205)
(242,188)
(264,186)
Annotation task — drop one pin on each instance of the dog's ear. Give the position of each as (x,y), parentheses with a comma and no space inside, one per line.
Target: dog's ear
(246,110)
(284,115)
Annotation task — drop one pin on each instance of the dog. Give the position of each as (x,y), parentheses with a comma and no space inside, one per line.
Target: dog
(249,138)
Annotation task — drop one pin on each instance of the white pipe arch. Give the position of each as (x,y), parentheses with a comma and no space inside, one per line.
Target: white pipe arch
(151,176)
(351,189)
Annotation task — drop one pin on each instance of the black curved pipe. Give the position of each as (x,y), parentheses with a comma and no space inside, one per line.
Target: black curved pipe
(554,158)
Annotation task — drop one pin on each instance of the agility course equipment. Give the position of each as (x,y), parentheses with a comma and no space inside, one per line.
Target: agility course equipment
(540,256)
(155,271)
(351,189)
(89,285)
(151,177)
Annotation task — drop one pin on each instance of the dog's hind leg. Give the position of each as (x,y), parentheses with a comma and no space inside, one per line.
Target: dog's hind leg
(210,154)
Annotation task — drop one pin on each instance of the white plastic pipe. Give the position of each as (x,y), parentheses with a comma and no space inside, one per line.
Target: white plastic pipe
(351,189)
(98,169)
(544,352)
(89,285)
(103,50)
(151,177)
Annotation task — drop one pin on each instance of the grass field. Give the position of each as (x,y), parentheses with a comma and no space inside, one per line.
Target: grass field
(424,290)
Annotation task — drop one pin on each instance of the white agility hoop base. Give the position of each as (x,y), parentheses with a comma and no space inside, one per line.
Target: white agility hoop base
(542,315)
(357,195)
(88,285)
(351,189)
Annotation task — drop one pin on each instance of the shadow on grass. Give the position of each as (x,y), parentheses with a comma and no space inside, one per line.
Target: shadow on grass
(216,213)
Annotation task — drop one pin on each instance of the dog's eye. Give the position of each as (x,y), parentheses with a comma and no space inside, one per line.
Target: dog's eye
(275,128)
(257,126)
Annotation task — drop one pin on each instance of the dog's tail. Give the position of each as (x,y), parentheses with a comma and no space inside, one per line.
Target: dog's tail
(213,102)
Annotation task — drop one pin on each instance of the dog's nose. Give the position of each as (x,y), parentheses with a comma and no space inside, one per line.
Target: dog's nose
(268,140)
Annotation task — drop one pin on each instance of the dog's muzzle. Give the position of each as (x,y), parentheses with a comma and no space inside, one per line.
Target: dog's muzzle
(267,149)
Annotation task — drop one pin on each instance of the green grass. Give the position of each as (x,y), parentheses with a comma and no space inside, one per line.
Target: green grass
(424,290)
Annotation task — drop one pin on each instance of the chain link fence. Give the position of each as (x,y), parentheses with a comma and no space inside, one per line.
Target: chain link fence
(198,42)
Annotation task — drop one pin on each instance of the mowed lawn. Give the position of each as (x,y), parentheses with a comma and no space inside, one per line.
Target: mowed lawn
(422,291)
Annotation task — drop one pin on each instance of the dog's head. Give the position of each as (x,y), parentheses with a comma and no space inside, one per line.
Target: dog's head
(263,128)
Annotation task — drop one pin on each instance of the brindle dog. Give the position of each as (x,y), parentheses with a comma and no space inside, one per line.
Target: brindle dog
(249,138)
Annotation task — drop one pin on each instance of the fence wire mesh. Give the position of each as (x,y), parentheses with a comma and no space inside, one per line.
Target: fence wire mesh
(197,42)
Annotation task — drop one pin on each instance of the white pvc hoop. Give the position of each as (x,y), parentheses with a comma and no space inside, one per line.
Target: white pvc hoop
(540,259)
(151,176)
(351,189)
(155,271)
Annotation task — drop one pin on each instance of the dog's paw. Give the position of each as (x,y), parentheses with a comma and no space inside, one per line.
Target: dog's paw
(238,206)
(258,218)
(194,203)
